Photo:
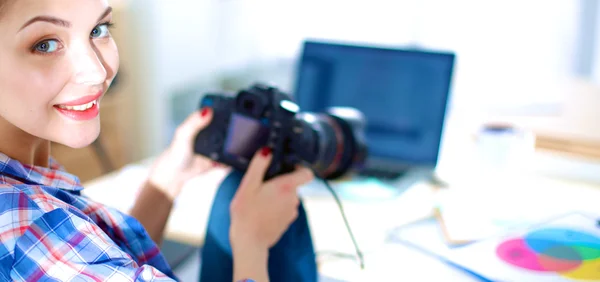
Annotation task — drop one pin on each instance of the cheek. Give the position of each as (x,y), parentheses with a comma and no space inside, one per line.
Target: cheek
(35,85)
(44,84)
(28,90)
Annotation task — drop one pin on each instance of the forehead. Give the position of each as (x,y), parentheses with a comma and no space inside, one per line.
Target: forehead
(18,12)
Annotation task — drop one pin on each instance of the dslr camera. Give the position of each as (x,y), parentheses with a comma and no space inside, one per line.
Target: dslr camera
(332,143)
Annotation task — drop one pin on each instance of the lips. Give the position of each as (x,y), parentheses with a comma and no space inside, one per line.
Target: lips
(83,100)
(81,109)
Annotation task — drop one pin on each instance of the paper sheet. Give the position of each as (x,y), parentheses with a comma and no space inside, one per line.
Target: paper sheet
(563,249)
(477,210)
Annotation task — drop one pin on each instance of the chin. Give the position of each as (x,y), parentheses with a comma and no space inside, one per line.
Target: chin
(80,138)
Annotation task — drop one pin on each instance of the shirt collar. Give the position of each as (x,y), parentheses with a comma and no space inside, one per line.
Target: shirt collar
(54,176)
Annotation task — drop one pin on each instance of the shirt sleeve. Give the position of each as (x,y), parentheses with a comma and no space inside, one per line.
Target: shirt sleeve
(61,246)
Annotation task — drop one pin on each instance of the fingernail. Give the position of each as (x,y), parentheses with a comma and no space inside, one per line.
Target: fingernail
(265,151)
(204,112)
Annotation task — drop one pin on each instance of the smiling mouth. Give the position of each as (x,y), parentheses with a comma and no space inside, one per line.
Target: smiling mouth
(80,108)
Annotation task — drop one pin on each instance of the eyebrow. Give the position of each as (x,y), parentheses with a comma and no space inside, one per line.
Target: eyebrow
(57,21)
(108,11)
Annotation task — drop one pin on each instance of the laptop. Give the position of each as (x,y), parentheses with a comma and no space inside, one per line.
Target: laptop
(403,93)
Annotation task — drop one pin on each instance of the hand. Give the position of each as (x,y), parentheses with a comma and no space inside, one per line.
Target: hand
(262,211)
(178,163)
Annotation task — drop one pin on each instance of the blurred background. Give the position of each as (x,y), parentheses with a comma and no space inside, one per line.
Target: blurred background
(513,57)
(529,69)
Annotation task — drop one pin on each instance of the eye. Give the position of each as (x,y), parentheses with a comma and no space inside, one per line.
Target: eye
(47,46)
(100,31)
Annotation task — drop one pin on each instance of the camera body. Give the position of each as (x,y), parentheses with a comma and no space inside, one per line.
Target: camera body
(261,115)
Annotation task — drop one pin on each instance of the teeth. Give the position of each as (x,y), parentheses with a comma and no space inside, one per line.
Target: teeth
(78,107)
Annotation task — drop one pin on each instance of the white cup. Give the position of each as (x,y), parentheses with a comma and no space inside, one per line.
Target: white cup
(503,149)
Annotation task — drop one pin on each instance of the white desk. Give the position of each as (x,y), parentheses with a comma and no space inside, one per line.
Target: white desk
(188,220)
(370,221)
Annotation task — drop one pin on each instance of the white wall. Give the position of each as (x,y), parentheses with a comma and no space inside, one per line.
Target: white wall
(261,29)
(178,45)
(596,64)
(507,50)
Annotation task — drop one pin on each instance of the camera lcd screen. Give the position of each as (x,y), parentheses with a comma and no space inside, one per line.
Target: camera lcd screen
(245,136)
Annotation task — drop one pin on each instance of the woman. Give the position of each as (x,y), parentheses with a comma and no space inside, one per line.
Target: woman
(57,59)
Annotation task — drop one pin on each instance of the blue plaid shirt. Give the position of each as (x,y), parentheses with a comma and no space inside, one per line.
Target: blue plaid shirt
(49,231)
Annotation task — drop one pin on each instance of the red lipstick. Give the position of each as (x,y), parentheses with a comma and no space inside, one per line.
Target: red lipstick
(81,109)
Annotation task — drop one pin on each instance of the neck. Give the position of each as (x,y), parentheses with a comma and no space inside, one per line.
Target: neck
(22,146)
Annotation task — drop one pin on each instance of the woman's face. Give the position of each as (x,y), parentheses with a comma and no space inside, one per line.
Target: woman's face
(57,59)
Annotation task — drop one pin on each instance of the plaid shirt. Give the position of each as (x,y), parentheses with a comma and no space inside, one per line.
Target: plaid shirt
(49,231)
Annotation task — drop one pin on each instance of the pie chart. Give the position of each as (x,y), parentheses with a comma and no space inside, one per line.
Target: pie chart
(572,254)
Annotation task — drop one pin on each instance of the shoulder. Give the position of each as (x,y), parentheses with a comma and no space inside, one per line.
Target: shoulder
(38,234)
(17,210)
(61,245)
(21,206)
(64,235)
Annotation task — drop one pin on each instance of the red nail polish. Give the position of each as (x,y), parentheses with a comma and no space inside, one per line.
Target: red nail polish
(265,151)
(204,112)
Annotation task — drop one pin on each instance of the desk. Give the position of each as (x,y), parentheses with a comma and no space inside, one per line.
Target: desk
(190,214)
(383,259)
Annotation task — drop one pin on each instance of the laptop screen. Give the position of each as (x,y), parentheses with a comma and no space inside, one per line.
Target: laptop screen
(403,94)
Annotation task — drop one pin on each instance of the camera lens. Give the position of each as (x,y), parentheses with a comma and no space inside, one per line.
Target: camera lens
(337,142)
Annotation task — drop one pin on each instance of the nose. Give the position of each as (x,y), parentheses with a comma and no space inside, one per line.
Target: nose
(88,68)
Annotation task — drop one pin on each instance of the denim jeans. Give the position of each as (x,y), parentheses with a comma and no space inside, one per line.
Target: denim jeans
(292,259)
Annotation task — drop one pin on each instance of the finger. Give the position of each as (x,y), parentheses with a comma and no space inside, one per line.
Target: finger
(194,123)
(201,164)
(253,178)
(218,164)
(293,216)
(296,201)
(293,180)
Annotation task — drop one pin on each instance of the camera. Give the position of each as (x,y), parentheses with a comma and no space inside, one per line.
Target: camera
(331,143)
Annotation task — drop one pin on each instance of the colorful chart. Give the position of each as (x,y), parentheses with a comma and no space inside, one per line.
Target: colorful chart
(571,254)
